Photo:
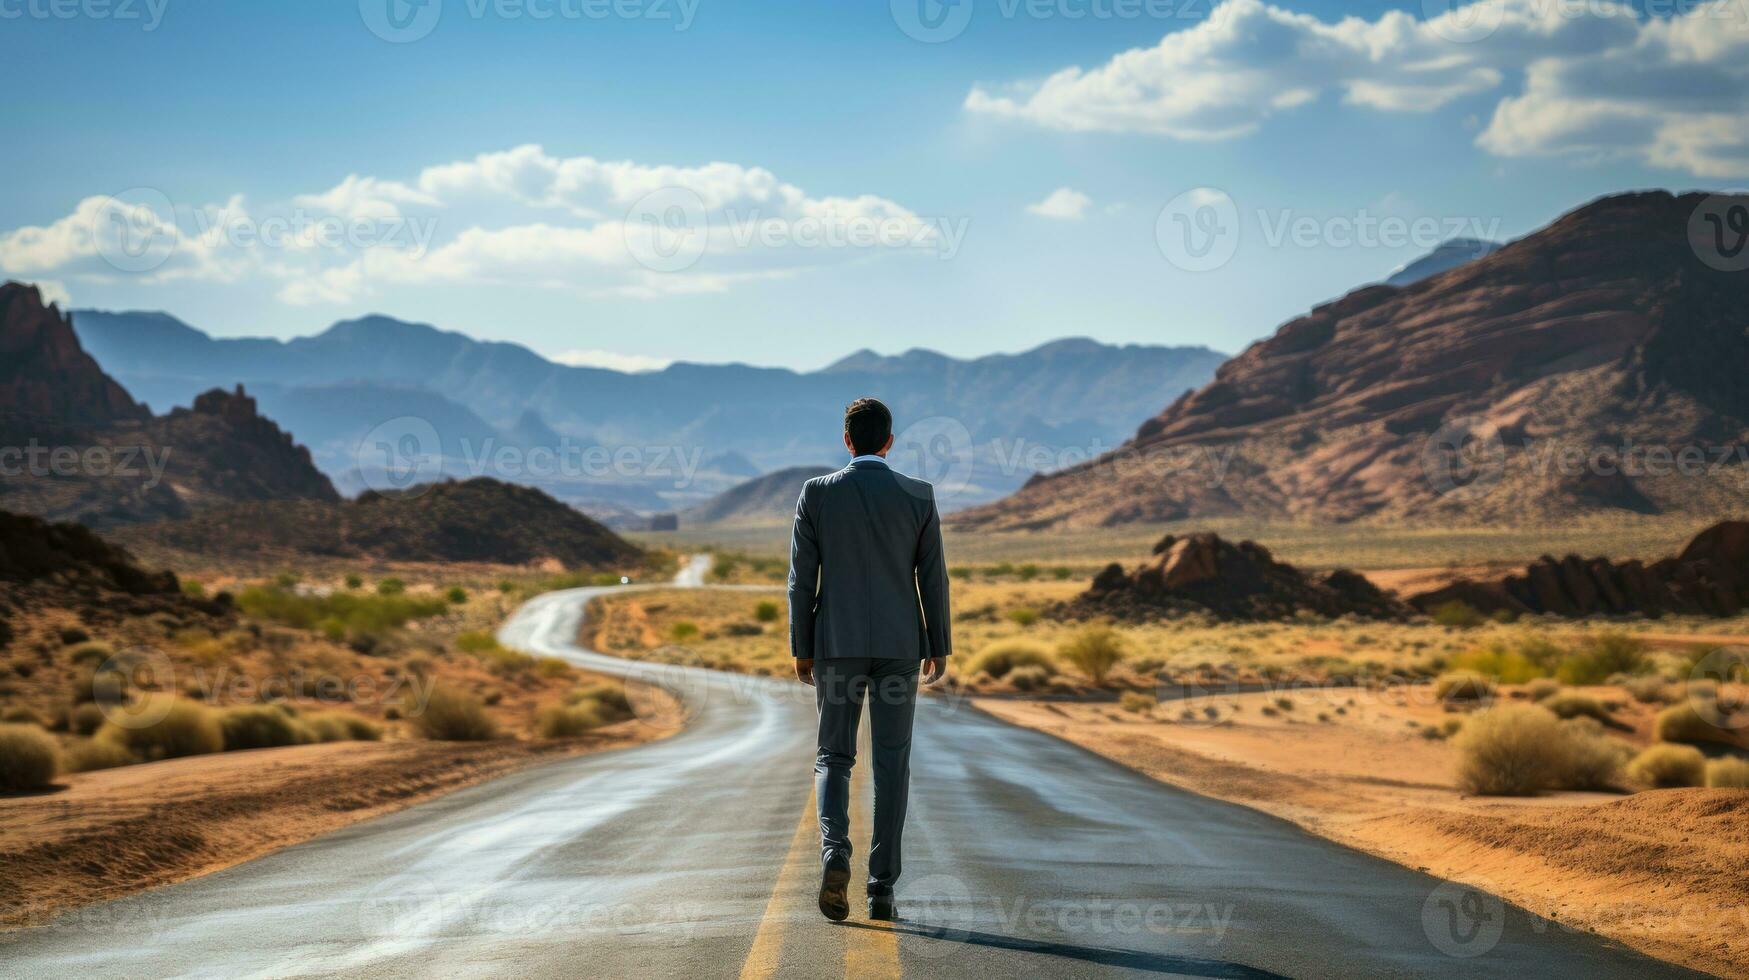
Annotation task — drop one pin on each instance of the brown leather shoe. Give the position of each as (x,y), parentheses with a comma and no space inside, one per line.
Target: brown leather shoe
(834,903)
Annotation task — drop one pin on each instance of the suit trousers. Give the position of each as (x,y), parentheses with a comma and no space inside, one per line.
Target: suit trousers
(889,687)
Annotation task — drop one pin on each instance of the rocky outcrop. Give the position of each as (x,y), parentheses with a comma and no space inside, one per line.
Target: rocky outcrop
(78,448)
(1601,332)
(1202,573)
(45,376)
(479,520)
(66,566)
(1709,578)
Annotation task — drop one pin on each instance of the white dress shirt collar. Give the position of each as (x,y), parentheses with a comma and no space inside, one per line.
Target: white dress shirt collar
(871,458)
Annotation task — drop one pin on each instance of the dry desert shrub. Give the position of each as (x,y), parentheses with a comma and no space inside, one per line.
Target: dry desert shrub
(29,758)
(1002,656)
(1463,685)
(1571,704)
(85,720)
(1593,759)
(1136,702)
(1093,651)
(1542,689)
(1511,750)
(449,715)
(1727,774)
(561,721)
(1684,723)
(258,728)
(1029,678)
(1648,690)
(609,700)
(92,754)
(177,728)
(1668,766)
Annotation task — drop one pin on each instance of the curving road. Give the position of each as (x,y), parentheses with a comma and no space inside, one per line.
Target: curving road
(695,857)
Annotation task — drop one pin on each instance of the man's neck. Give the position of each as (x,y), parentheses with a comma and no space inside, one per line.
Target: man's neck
(873,457)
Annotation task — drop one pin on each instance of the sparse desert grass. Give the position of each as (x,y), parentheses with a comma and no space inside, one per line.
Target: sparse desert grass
(1603,656)
(451,715)
(385,611)
(1003,656)
(167,727)
(1542,689)
(29,758)
(1669,766)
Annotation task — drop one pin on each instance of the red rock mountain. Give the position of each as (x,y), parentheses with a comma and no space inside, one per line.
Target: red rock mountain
(1461,398)
(45,375)
(78,448)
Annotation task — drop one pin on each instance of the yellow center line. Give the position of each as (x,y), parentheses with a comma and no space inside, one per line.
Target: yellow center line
(870,953)
(803,859)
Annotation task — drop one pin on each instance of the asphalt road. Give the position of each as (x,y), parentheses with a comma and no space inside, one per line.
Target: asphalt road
(695,856)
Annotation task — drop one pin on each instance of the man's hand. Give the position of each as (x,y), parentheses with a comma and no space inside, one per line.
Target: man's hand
(805,671)
(934,669)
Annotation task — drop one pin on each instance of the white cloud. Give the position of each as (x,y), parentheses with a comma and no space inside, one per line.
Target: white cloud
(54,291)
(611,360)
(519,218)
(1064,204)
(1566,78)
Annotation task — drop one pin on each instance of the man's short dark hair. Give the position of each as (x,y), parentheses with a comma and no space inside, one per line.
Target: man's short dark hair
(868,424)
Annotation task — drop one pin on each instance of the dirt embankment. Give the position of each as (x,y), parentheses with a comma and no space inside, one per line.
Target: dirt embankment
(108,834)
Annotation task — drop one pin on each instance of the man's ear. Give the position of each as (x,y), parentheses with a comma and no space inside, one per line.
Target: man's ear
(888,447)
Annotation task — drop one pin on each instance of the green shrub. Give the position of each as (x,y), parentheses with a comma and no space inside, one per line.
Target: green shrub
(326,726)
(1571,704)
(1002,656)
(358,613)
(1511,750)
(1023,616)
(1137,702)
(1727,774)
(391,587)
(1093,651)
(1061,573)
(354,581)
(359,729)
(767,611)
(1669,766)
(193,588)
(92,754)
(1457,614)
(552,667)
(449,715)
(85,720)
(1029,678)
(1502,664)
(476,641)
(258,727)
(29,758)
(179,728)
(683,631)
(1601,657)
(1684,723)
(1463,685)
(560,721)
(456,595)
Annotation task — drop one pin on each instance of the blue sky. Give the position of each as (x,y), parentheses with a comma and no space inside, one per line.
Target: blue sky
(505,166)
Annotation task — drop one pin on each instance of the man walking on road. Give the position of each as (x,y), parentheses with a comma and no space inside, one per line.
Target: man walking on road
(867,610)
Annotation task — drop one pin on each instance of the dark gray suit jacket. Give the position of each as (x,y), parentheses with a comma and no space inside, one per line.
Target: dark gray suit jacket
(867,577)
